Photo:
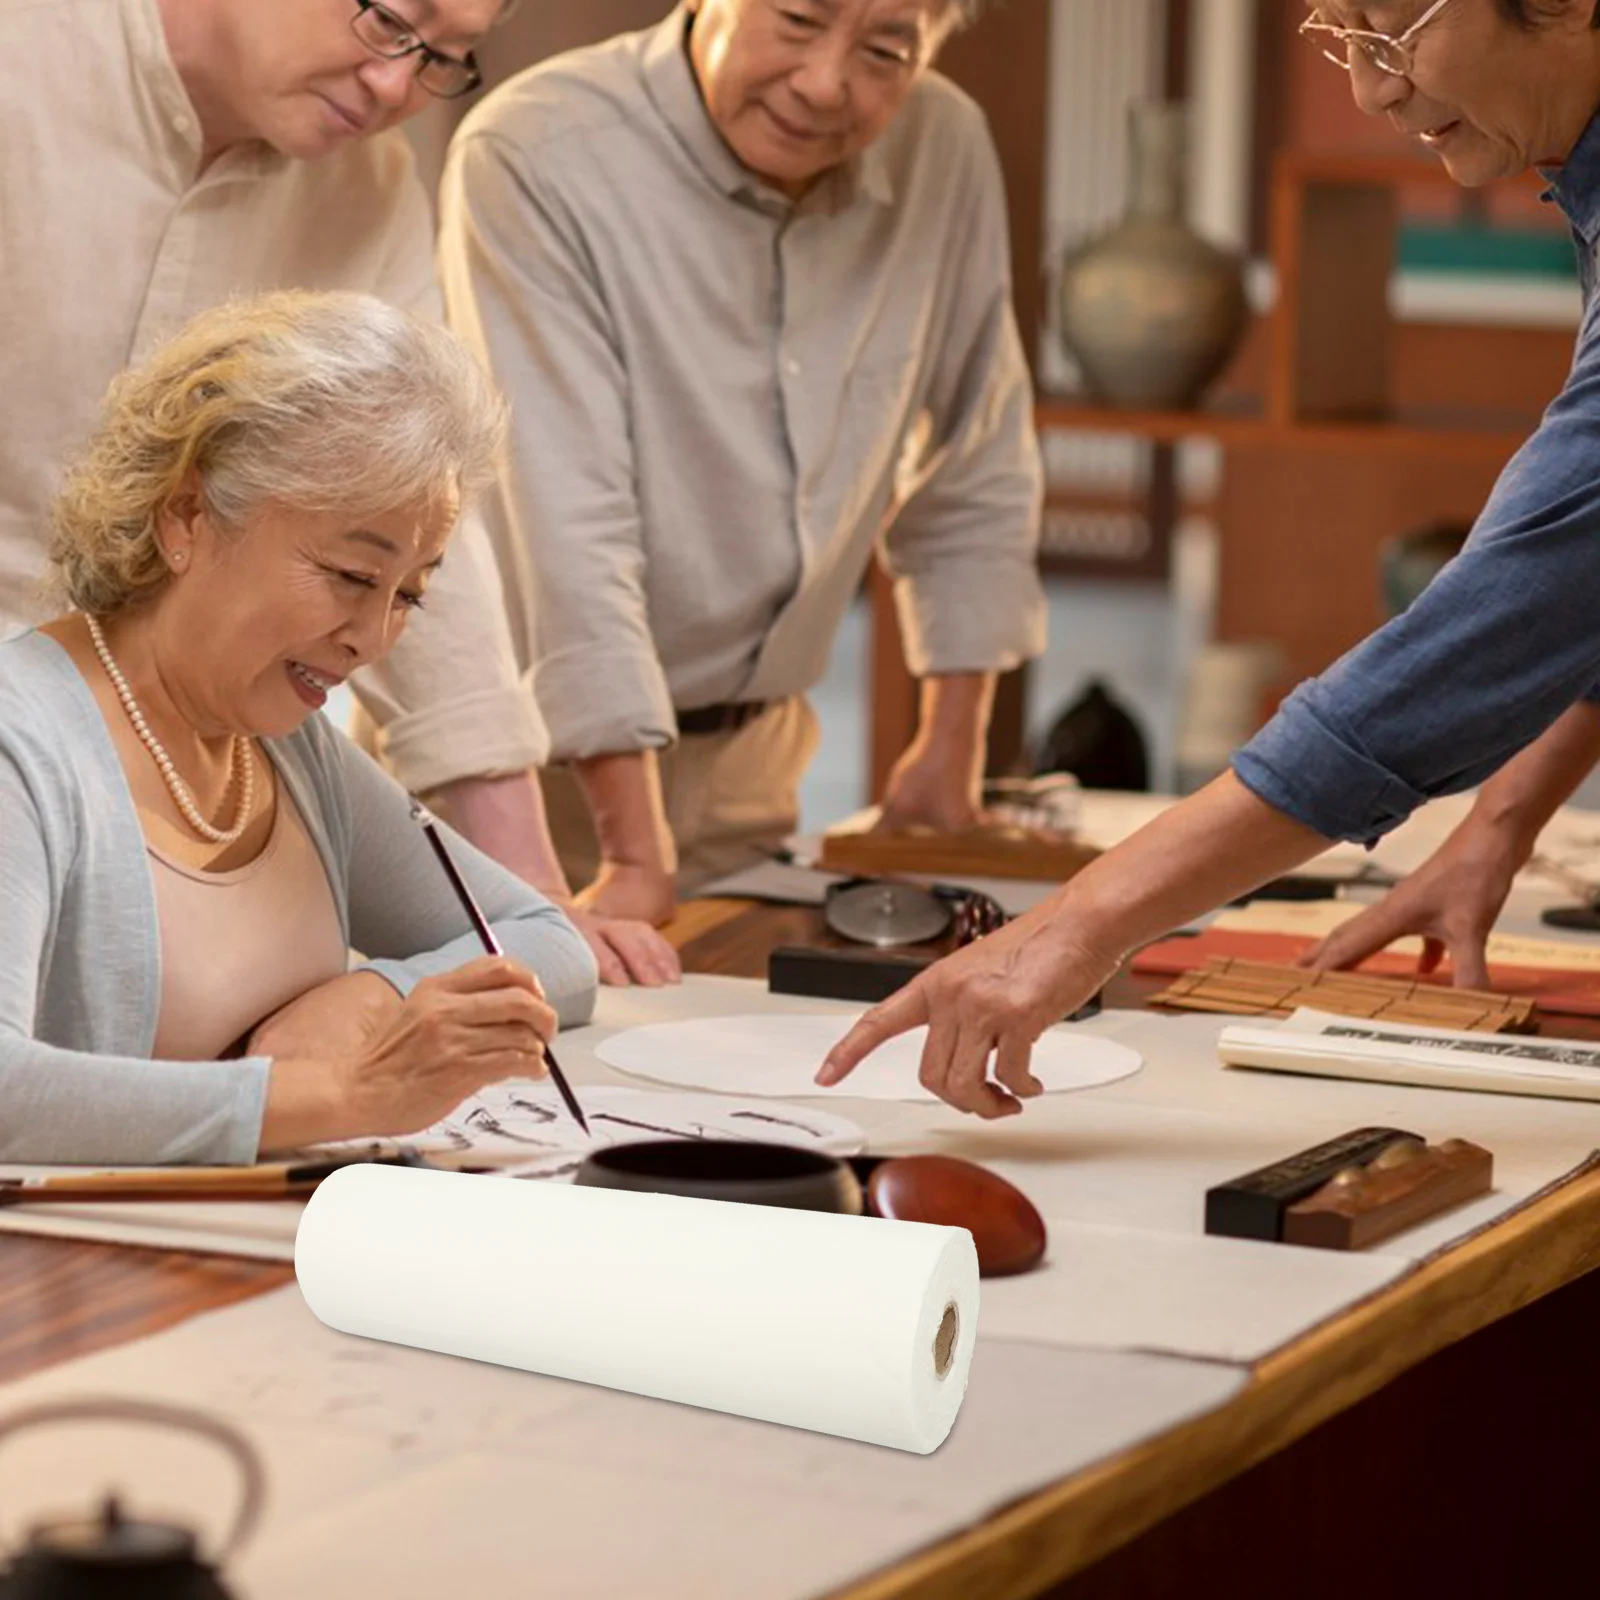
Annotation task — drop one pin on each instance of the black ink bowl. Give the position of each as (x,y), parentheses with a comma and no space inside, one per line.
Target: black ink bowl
(1006,1228)
(728,1169)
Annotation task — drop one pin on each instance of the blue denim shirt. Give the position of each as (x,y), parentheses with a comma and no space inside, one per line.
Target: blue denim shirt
(1498,646)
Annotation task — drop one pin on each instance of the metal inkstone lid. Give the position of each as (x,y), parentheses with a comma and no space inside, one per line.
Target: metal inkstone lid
(885,914)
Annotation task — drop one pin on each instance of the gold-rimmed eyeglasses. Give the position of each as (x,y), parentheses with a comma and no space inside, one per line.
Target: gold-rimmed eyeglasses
(1387,52)
(389,36)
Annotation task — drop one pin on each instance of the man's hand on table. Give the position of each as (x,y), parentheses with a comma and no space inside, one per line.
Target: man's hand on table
(1452,900)
(628,950)
(632,892)
(927,789)
(636,886)
(938,782)
(505,818)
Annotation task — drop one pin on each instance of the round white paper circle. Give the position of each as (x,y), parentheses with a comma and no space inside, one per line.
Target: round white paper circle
(778,1056)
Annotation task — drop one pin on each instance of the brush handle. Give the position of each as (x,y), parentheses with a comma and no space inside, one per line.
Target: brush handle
(491,944)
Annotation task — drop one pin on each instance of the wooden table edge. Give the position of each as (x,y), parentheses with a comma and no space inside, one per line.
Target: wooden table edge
(1067,1527)
(1073,1523)
(1076,1521)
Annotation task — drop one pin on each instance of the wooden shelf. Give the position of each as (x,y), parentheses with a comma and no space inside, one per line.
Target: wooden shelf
(1412,435)
(1229,425)
(1327,380)
(1243,426)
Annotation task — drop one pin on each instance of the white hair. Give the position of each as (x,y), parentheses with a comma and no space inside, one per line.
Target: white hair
(318,402)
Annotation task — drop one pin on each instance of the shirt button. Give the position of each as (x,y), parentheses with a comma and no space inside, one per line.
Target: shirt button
(181,124)
(792,367)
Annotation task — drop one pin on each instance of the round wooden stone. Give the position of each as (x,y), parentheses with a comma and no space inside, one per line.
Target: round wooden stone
(1008,1231)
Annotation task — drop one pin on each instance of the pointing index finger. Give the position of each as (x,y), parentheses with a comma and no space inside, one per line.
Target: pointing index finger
(898,1014)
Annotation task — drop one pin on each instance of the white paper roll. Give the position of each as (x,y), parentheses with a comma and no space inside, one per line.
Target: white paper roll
(856,1326)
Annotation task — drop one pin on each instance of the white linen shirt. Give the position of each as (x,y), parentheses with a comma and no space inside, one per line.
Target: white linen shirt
(721,400)
(109,244)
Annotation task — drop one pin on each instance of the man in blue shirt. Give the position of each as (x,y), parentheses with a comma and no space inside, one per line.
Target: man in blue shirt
(1486,677)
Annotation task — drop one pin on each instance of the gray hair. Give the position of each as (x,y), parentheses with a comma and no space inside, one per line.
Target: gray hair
(318,402)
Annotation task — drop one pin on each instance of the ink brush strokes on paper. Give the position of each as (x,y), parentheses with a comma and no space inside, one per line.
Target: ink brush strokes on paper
(512,1123)
(518,1128)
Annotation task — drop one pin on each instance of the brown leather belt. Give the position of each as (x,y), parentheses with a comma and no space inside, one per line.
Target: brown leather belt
(719,719)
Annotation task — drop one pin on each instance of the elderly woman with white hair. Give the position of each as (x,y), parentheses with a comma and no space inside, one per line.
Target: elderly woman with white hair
(188,851)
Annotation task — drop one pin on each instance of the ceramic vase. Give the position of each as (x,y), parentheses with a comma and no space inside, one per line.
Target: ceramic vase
(1151,311)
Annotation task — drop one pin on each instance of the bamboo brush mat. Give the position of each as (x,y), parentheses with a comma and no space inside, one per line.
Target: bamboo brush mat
(1266,989)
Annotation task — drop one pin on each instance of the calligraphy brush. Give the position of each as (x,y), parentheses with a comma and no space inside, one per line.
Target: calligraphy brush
(419,814)
(273,1180)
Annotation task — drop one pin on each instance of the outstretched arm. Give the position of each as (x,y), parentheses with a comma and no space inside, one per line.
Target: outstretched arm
(997,996)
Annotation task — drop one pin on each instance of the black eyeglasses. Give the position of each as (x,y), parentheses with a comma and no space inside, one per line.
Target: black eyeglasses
(385,34)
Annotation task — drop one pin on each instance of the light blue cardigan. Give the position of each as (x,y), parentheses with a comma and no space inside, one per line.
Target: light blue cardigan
(80,957)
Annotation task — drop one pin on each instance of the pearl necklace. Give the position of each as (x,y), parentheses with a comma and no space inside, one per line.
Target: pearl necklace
(180,791)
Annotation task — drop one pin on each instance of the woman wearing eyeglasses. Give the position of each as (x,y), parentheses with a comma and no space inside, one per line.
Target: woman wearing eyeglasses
(1491,678)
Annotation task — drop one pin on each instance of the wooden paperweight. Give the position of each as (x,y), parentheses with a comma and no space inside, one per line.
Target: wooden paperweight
(1254,1205)
(1408,1183)
(1006,1228)
(988,851)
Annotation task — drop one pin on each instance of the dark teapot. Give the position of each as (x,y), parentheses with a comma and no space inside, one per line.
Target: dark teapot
(110,1554)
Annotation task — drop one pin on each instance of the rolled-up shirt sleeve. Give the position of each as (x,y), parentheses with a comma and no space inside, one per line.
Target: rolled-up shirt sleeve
(513,267)
(1503,641)
(449,701)
(963,550)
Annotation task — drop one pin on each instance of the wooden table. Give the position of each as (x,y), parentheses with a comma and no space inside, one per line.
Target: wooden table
(1434,1439)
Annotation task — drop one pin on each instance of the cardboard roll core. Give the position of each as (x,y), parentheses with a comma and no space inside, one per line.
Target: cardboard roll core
(944,1341)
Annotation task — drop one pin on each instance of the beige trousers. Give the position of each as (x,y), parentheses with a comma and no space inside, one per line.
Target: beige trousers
(731,798)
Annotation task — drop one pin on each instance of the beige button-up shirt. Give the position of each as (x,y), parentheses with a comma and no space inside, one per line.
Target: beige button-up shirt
(109,243)
(721,401)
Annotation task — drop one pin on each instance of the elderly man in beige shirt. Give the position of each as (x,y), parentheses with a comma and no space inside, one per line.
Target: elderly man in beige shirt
(745,279)
(157,156)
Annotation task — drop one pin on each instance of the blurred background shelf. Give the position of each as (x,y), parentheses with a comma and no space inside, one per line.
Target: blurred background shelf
(1241,426)
(1406,337)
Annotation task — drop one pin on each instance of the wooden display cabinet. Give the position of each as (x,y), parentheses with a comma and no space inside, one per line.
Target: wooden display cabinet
(1321,373)
(1326,373)
(1343,426)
